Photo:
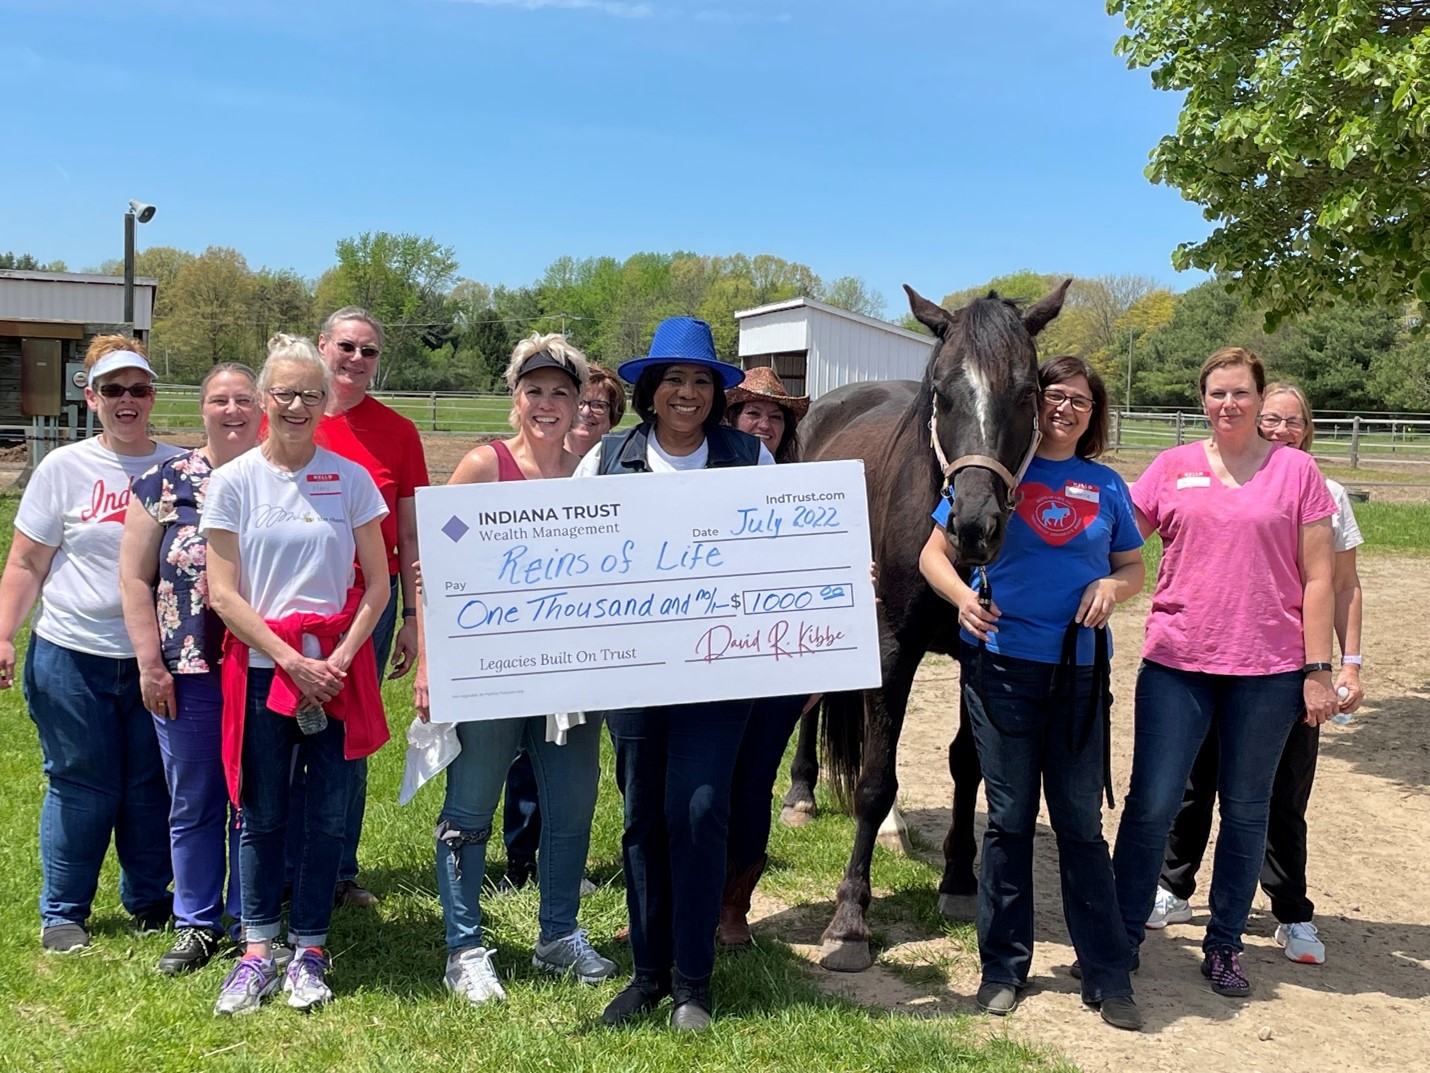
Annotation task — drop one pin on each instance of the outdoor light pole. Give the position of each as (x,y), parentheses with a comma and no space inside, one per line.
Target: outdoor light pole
(140,213)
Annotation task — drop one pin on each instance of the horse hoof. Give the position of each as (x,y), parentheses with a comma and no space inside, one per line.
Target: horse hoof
(958,907)
(801,814)
(845,955)
(894,834)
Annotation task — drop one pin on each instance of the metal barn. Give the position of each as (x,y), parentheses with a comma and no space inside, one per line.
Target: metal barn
(815,347)
(47,320)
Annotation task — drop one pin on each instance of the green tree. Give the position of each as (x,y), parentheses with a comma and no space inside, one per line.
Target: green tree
(855,295)
(1304,131)
(210,312)
(25,262)
(281,301)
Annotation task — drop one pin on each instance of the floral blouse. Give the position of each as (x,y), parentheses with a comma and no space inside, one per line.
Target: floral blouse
(190,634)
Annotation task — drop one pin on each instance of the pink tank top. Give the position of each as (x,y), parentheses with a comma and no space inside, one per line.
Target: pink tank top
(507,469)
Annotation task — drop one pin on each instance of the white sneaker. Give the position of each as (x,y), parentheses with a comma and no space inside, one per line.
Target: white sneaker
(1301,943)
(471,974)
(573,954)
(587,887)
(1168,909)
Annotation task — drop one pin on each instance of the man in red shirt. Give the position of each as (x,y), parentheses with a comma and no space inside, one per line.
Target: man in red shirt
(386,444)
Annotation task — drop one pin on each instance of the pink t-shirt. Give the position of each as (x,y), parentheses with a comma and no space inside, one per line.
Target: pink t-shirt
(1228,597)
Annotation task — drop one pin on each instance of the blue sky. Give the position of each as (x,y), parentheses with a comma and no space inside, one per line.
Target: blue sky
(938,142)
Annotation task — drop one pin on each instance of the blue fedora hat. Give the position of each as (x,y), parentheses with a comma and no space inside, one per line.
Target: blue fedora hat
(682,341)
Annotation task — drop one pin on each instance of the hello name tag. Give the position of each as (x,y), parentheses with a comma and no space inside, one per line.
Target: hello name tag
(1194,480)
(1086,492)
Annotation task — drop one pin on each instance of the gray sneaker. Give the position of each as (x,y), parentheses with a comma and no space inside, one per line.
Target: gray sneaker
(306,980)
(573,954)
(249,982)
(471,974)
(64,938)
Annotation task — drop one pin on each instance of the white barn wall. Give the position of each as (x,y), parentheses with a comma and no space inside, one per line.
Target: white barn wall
(74,298)
(776,333)
(849,352)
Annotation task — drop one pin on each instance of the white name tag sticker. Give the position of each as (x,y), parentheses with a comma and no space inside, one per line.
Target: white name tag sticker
(1194,480)
(1085,492)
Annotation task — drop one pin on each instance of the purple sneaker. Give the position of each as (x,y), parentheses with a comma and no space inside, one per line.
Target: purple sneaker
(307,979)
(1223,969)
(249,982)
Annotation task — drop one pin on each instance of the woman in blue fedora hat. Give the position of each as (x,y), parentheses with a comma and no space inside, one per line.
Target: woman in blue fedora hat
(674,762)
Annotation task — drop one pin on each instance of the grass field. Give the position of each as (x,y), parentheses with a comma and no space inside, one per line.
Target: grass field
(109,1010)
(1378,443)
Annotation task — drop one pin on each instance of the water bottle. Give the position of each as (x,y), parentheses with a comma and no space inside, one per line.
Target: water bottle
(312,720)
(1342,719)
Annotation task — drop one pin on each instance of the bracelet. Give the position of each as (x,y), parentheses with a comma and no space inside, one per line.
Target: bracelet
(1353,661)
(1312,668)
(409,612)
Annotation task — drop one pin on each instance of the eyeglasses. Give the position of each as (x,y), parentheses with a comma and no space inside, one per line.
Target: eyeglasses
(285,396)
(1270,421)
(1081,403)
(353,348)
(598,407)
(137,391)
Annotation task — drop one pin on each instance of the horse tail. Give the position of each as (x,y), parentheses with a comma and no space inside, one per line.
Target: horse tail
(842,738)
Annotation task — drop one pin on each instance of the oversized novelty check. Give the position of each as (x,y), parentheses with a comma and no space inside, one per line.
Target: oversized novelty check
(625,591)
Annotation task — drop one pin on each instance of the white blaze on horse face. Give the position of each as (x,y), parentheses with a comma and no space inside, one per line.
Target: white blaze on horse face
(981,396)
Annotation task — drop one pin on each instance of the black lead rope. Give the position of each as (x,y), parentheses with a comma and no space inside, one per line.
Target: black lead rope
(1064,678)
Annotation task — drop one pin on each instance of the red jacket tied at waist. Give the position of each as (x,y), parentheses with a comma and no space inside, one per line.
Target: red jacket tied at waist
(358,704)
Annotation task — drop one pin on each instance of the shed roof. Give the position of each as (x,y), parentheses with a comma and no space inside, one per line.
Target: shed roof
(857,318)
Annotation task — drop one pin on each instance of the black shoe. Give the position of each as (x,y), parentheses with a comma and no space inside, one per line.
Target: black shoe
(641,995)
(998,999)
(154,919)
(64,938)
(349,892)
(692,1006)
(1121,1012)
(519,872)
(193,949)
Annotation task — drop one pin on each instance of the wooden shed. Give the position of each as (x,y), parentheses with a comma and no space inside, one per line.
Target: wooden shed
(815,348)
(47,320)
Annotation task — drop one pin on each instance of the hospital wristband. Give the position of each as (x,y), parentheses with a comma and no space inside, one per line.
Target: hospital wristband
(1354,661)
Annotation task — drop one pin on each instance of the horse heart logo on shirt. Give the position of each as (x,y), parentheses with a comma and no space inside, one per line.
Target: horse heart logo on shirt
(1052,515)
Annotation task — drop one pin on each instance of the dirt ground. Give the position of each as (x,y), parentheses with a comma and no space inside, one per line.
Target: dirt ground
(1367,1008)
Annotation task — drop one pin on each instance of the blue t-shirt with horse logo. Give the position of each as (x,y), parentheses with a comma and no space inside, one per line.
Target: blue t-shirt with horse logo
(1071,516)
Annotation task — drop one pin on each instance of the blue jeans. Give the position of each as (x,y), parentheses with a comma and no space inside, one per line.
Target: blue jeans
(1252,716)
(203,829)
(772,721)
(269,742)
(674,766)
(1027,733)
(105,777)
(382,635)
(566,779)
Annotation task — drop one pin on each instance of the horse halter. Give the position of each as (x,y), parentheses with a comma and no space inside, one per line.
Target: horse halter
(1011,480)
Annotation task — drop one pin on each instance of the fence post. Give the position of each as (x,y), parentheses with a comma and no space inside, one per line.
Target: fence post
(1181,429)
(1117,431)
(434,411)
(1355,442)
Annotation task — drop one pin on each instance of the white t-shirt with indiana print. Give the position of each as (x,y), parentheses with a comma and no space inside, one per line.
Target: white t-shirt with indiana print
(75,502)
(295,532)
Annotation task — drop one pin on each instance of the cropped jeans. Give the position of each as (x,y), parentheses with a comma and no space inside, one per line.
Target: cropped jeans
(566,780)
(1030,736)
(203,828)
(1252,716)
(105,777)
(269,743)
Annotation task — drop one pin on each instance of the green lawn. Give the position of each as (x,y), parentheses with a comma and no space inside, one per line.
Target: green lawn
(109,1010)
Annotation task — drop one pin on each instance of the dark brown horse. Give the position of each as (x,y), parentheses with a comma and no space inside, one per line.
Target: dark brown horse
(972,423)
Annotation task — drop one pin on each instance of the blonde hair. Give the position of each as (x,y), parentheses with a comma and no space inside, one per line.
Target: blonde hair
(559,348)
(1280,387)
(292,350)
(101,345)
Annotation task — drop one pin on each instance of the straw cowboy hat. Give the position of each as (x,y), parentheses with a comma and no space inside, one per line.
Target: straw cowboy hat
(682,341)
(762,385)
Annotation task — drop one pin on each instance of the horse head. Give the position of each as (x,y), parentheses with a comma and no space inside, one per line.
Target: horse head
(981,391)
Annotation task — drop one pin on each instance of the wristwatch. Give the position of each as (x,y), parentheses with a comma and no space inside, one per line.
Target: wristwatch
(1312,668)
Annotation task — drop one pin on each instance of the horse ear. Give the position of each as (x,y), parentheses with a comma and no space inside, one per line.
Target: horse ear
(1046,308)
(933,317)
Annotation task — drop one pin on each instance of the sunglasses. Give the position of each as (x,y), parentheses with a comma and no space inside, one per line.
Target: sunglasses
(353,348)
(115,391)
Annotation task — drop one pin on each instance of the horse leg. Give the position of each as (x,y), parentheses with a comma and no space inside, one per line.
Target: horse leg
(799,808)
(958,890)
(846,941)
